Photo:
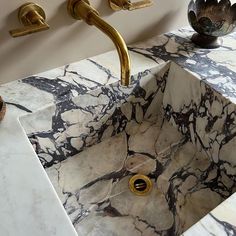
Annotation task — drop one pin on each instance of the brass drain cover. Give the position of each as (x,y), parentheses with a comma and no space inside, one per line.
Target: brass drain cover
(140,185)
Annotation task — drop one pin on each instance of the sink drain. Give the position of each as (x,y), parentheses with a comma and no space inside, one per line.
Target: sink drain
(140,185)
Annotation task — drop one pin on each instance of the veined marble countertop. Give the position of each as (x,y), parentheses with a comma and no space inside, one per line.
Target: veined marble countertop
(221,221)
(29,204)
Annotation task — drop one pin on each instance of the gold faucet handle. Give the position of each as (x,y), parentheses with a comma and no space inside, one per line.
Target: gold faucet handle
(33,17)
(118,5)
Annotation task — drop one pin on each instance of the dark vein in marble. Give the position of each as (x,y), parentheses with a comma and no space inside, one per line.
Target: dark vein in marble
(61,90)
(19,106)
(104,69)
(229,229)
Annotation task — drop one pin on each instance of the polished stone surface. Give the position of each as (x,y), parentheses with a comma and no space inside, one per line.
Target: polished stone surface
(76,110)
(93,185)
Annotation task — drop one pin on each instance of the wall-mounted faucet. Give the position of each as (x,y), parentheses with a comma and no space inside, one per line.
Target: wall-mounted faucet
(33,17)
(81,10)
(118,5)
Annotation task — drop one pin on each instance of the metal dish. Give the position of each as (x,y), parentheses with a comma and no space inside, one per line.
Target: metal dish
(211,20)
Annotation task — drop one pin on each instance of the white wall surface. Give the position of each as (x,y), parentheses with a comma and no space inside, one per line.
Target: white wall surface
(69,40)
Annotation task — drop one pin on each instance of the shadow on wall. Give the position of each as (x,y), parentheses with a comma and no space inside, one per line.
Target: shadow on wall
(104,10)
(12,20)
(157,27)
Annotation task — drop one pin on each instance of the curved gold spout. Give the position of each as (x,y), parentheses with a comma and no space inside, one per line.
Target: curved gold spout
(80,9)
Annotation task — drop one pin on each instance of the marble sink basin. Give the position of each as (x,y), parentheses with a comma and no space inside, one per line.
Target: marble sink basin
(91,145)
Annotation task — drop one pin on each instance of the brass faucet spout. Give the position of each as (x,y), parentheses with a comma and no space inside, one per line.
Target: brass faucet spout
(80,9)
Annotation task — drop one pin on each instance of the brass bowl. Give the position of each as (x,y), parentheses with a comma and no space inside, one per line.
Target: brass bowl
(2,109)
(211,19)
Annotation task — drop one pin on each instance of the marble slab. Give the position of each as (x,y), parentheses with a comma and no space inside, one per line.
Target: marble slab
(65,129)
(93,185)
(205,116)
(47,88)
(221,221)
(98,115)
(216,67)
(195,91)
(29,204)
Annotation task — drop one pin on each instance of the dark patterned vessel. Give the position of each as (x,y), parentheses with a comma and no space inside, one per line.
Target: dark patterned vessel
(2,109)
(211,20)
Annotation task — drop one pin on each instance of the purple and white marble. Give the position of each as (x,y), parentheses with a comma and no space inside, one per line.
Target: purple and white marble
(66,128)
(220,221)
(174,123)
